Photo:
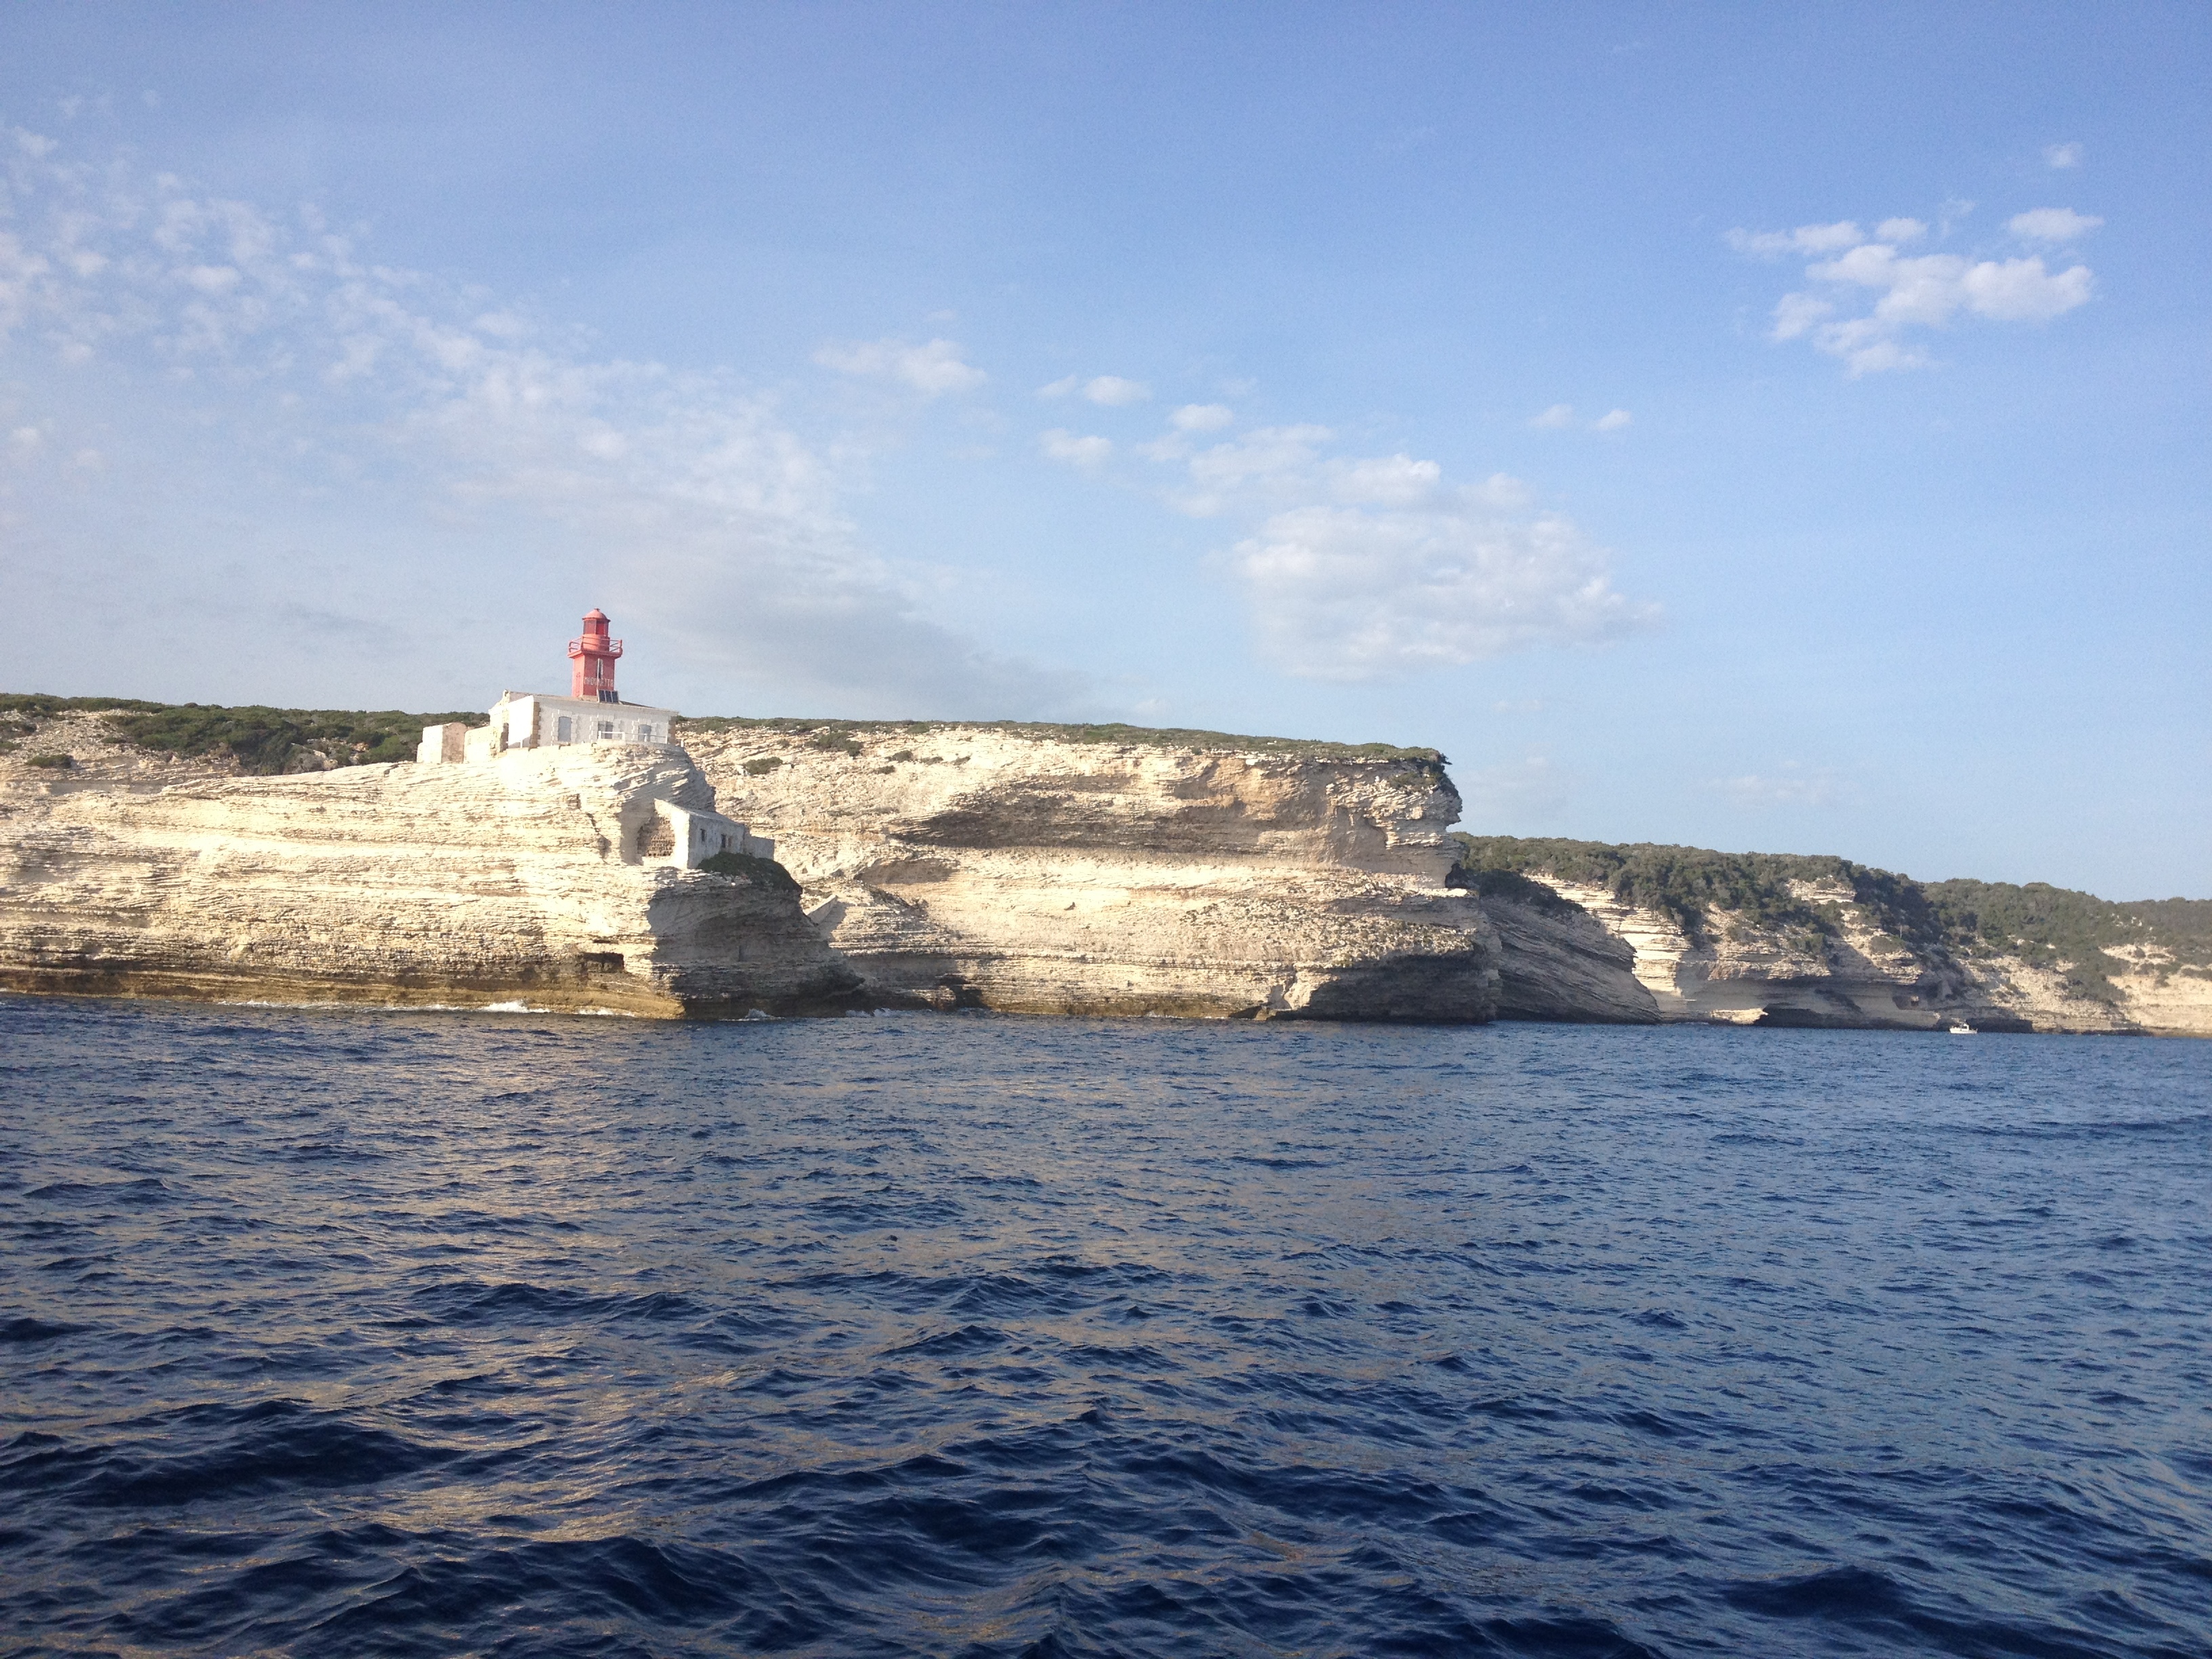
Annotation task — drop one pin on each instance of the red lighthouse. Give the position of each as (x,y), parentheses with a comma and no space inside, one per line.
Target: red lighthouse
(595,656)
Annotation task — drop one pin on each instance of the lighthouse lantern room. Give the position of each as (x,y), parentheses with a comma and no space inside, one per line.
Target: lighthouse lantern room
(593,660)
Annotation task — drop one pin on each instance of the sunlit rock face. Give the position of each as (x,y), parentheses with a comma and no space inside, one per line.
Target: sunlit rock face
(972,867)
(531,879)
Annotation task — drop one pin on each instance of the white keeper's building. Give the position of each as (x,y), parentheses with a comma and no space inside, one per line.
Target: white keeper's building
(526,719)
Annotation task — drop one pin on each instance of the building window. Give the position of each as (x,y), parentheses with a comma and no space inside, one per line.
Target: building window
(645,734)
(606,730)
(564,730)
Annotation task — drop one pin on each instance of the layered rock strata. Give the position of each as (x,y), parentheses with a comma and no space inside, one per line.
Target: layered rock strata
(531,879)
(1557,962)
(1738,972)
(975,866)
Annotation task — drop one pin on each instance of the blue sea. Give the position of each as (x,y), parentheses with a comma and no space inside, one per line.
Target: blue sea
(335,1333)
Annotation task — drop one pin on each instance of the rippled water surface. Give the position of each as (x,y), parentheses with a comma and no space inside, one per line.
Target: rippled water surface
(337,1333)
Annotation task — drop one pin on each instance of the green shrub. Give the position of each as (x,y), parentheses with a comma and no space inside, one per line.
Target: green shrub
(266,741)
(765,763)
(39,705)
(1427,761)
(53,762)
(1686,884)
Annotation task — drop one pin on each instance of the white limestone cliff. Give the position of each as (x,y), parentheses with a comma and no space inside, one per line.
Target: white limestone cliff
(1744,974)
(964,865)
(543,879)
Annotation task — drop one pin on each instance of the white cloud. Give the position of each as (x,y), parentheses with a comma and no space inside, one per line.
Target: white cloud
(1823,238)
(466,460)
(1915,292)
(1348,594)
(1260,456)
(1112,390)
(2052,224)
(1370,566)
(1805,239)
(1796,313)
(1201,417)
(2062,155)
(1793,785)
(1061,445)
(932,369)
(1560,416)
(1385,480)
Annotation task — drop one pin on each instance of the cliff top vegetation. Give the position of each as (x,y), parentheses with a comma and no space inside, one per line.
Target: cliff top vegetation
(1703,890)
(273,740)
(263,741)
(829,734)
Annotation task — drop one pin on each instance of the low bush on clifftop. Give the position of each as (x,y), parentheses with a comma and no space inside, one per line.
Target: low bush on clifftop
(837,734)
(265,741)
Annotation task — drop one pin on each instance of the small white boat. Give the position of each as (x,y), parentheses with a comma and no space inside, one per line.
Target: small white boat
(1963,1031)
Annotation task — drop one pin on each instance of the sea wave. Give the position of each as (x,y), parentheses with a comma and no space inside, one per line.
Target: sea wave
(344,1333)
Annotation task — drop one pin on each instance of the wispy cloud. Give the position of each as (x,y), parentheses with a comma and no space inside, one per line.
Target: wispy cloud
(1560,416)
(1790,785)
(1113,391)
(1061,445)
(933,368)
(2062,155)
(1805,239)
(2052,224)
(1913,293)
(1349,595)
(1109,390)
(284,351)
(1201,417)
(1362,567)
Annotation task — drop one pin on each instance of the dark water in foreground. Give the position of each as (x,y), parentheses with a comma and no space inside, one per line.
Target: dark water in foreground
(348,1333)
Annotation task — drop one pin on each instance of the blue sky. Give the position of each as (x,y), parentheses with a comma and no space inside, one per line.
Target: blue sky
(1759,428)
